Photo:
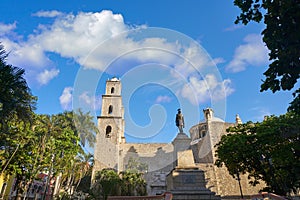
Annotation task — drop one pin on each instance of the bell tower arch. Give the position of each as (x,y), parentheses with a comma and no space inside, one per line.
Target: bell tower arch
(111,127)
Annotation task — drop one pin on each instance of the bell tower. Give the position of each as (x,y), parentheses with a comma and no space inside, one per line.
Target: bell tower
(111,127)
(111,121)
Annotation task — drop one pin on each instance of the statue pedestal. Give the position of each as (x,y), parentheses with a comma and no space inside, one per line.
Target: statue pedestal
(189,184)
(186,181)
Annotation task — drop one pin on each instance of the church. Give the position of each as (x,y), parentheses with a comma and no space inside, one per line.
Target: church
(160,161)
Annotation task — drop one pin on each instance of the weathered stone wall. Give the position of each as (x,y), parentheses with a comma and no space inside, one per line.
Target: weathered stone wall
(105,152)
(219,180)
(156,155)
(158,158)
(222,183)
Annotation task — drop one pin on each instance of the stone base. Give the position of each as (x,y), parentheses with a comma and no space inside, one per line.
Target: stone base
(183,195)
(189,184)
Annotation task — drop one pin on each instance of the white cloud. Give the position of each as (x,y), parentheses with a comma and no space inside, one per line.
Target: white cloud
(91,102)
(218,60)
(75,36)
(66,98)
(6,28)
(44,77)
(83,38)
(163,99)
(52,13)
(252,53)
(199,91)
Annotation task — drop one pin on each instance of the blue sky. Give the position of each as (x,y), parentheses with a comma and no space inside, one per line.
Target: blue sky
(168,54)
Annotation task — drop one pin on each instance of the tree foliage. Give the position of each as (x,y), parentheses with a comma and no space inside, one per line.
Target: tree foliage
(134,165)
(132,183)
(85,127)
(45,144)
(108,182)
(16,97)
(282,38)
(268,151)
(33,143)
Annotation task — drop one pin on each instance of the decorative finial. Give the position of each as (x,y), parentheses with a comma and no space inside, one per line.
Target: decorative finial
(238,119)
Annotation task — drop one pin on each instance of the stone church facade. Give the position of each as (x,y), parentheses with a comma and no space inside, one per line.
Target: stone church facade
(159,159)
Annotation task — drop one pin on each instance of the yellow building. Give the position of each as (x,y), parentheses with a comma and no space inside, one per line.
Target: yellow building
(6,182)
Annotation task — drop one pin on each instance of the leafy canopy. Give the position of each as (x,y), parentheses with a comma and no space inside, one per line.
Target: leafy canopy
(16,97)
(268,151)
(127,183)
(282,38)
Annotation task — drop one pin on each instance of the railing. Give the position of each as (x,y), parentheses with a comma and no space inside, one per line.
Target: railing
(164,196)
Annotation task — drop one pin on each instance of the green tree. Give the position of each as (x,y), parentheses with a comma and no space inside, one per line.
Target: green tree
(16,105)
(83,164)
(134,165)
(16,97)
(109,182)
(268,151)
(45,144)
(85,127)
(282,38)
(132,183)
(106,182)
(22,163)
(61,145)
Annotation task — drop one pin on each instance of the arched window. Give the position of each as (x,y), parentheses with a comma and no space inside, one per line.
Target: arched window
(203,133)
(110,109)
(112,90)
(108,132)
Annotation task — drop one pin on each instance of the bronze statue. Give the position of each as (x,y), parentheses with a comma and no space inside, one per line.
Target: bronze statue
(179,121)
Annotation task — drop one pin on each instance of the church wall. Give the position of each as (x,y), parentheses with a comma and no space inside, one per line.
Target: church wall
(218,179)
(222,183)
(158,158)
(155,155)
(216,131)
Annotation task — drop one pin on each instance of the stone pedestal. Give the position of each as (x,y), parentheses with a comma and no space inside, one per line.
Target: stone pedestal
(186,181)
(189,184)
(180,143)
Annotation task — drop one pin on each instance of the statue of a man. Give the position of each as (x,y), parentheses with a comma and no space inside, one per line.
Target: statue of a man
(179,121)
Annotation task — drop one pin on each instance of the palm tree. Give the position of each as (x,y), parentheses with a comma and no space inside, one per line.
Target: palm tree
(85,127)
(83,164)
(16,106)
(16,97)
(60,145)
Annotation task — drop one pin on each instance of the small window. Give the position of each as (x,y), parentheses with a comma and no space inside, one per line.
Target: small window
(108,132)
(110,109)
(112,90)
